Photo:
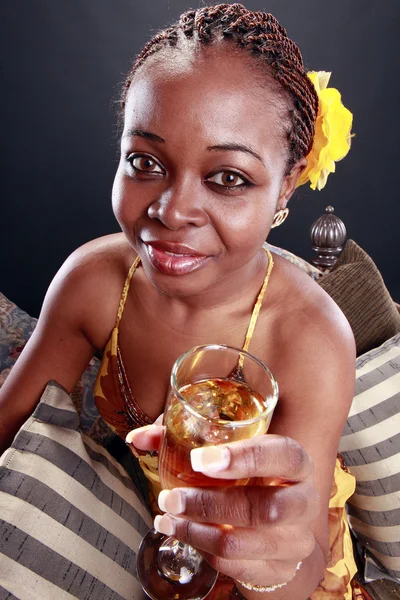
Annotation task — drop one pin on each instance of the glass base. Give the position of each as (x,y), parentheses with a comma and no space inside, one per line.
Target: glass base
(168,568)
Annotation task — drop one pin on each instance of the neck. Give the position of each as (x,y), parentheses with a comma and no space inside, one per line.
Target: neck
(235,292)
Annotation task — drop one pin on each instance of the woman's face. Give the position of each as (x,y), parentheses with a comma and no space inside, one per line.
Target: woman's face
(201,174)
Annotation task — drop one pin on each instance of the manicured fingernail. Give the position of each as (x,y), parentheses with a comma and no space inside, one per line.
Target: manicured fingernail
(129,437)
(132,434)
(210,458)
(164,524)
(172,501)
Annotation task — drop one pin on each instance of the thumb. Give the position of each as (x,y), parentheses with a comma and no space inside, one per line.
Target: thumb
(146,438)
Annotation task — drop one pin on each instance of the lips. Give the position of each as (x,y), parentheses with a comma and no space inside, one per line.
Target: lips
(173,258)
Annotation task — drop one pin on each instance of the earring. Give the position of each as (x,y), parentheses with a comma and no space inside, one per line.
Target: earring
(279,217)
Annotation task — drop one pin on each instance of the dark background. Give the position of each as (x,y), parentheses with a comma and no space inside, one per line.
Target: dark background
(61,65)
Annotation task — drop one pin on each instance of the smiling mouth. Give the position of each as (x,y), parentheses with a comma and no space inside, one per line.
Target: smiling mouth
(173,248)
(170,258)
(175,253)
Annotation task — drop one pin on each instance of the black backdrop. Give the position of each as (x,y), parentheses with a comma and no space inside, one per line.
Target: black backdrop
(61,63)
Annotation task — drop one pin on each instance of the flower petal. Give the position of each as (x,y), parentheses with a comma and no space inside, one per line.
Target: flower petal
(332,137)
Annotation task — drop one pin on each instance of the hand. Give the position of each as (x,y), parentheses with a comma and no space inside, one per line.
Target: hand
(256,533)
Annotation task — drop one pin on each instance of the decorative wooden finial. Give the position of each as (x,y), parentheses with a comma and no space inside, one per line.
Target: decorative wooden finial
(328,234)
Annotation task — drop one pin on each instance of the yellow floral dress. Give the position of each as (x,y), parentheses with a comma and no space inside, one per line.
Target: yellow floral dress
(118,408)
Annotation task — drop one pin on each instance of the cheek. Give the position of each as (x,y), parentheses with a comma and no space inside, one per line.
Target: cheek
(247,225)
(123,203)
(117,195)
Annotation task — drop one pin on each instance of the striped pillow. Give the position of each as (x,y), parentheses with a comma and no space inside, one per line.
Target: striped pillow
(71,518)
(370,446)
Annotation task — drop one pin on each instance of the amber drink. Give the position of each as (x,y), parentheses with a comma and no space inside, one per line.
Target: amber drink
(220,402)
(217,395)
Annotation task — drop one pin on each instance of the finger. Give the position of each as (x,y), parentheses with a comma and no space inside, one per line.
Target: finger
(237,543)
(271,456)
(244,506)
(258,572)
(146,438)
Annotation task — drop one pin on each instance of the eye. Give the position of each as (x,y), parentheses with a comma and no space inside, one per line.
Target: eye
(228,179)
(145,164)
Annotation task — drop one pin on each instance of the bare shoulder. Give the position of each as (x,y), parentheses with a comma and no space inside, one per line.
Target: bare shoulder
(317,344)
(306,307)
(105,253)
(90,282)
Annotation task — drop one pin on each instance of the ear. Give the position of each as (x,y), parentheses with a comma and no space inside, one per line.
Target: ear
(289,182)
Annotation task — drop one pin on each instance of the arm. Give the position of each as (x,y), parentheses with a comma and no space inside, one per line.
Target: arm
(314,403)
(272,528)
(71,324)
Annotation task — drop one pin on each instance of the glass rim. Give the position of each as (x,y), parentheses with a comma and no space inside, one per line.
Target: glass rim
(221,422)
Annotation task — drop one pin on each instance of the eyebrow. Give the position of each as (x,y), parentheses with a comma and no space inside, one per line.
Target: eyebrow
(144,134)
(236,148)
(228,146)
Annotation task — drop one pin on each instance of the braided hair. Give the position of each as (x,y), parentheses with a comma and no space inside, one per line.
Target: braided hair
(261,35)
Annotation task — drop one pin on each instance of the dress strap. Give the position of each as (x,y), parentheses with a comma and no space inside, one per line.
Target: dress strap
(126,290)
(259,301)
(254,315)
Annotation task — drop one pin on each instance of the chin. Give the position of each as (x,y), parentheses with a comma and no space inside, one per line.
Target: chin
(187,285)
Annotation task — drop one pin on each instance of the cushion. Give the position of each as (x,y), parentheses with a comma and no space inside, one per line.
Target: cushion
(71,517)
(16,327)
(370,446)
(356,285)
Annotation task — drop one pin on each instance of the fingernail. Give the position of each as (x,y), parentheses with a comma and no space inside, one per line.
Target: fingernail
(129,437)
(172,501)
(210,458)
(164,524)
(132,434)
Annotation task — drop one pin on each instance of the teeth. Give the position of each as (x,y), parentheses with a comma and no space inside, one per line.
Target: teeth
(174,254)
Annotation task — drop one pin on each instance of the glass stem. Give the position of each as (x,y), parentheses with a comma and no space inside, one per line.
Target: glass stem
(178,561)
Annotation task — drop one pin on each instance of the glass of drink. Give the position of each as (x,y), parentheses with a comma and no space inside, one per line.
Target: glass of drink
(218,394)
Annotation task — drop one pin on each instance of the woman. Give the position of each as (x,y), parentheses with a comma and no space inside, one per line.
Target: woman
(219,128)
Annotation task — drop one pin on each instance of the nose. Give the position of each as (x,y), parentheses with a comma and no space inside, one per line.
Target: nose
(178,206)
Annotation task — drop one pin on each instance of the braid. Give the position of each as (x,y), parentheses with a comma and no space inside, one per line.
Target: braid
(262,36)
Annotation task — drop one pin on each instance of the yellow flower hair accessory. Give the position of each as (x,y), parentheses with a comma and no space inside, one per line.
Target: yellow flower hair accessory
(332,133)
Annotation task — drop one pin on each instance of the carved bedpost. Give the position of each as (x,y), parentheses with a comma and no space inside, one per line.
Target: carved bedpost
(328,234)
